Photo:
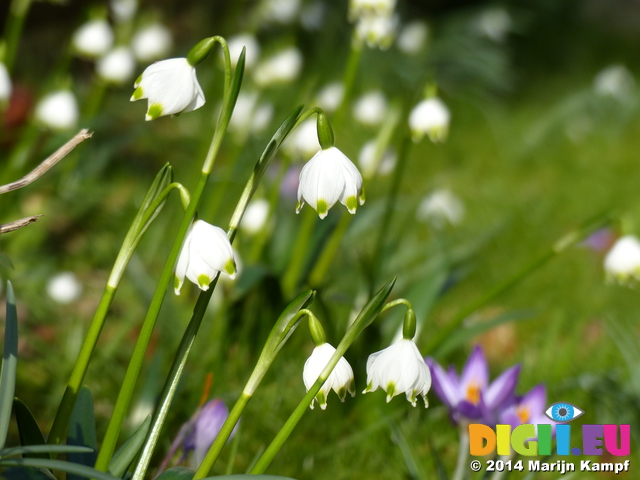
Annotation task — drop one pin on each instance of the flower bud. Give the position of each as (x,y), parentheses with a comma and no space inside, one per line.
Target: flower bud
(200,51)
(325,132)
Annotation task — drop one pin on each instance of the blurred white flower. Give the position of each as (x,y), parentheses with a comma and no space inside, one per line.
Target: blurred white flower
(249,116)
(413,37)
(93,39)
(328,177)
(303,141)
(312,15)
(430,116)
(117,66)
(283,67)
(58,110)
(440,208)
(279,11)
(614,81)
(367,160)
(367,8)
(237,42)
(340,379)
(206,252)
(399,369)
(494,23)
(255,217)
(377,31)
(151,42)
(330,96)
(171,86)
(622,263)
(262,116)
(124,10)
(64,288)
(5,84)
(371,108)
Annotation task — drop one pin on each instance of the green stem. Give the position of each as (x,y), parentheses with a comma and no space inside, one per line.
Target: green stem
(13,30)
(557,248)
(366,316)
(463,454)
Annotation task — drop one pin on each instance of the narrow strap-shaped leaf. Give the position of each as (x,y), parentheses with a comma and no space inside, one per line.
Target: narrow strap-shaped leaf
(9,362)
(28,429)
(129,449)
(82,431)
(81,471)
(30,450)
(184,473)
(27,473)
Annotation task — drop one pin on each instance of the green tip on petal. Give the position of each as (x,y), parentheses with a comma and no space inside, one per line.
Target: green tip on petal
(342,393)
(138,81)
(352,204)
(352,388)
(299,206)
(322,400)
(361,197)
(391,391)
(230,267)
(177,285)
(322,208)
(137,94)
(426,401)
(369,387)
(203,282)
(154,111)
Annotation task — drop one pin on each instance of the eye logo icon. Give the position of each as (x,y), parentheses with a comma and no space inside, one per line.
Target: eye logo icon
(563,412)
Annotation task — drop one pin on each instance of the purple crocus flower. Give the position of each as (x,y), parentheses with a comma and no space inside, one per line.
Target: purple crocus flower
(470,396)
(527,409)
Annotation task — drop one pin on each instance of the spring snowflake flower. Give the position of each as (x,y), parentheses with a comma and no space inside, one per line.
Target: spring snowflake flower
(124,10)
(117,66)
(622,263)
(413,37)
(171,87)
(328,177)
(431,117)
(494,23)
(64,288)
(330,96)
(5,84)
(240,41)
(206,252)
(440,208)
(377,31)
(255,217)
(283,67)
(58,110)
(371,108)
(371,165)
(93,39)
(151,42)
(614,81)
(398,369)
(303,141)
(366,8)
(340,380)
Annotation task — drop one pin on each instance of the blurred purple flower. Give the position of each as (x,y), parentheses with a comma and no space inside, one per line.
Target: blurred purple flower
(527,409)
(470,396)
(600,240)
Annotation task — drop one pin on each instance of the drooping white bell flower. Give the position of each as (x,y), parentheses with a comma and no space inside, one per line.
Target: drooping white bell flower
(124,10)
(340,380)
(615,81)
(171,87)
(377,31)
(398,369)
(330,96)
(413,37)
(366,8)
(255,216)
(58,110)
(494,23)
(64,288)
(283,67)
(431,117)
(441,207)
(240,41)
(206,252)
(5,84)
(622,263)
(151,42)
(328,177)
(279,11)
(93,39)
(117,66)
(367,160)
(371,108)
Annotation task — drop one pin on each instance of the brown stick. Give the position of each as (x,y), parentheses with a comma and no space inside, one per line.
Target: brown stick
(41,169)
(16,224)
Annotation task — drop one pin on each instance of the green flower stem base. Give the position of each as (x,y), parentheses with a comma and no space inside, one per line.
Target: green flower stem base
(463,453)
(557,248)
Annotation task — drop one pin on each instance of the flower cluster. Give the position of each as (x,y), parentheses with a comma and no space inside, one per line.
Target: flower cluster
(375,21)
(470,397)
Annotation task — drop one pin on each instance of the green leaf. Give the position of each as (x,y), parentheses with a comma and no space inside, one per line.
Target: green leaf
(82,431)
(162,180)
(129,449)
(184,473)
(73,468)
(9,362)
(462,335)
(284,327)
(236,83)
(5,262)
(31,450)
(26,473)
(28,429)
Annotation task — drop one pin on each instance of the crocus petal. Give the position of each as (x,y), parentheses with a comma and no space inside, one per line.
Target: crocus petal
(475,372)
(446,389)
(502,388)
(535,400)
